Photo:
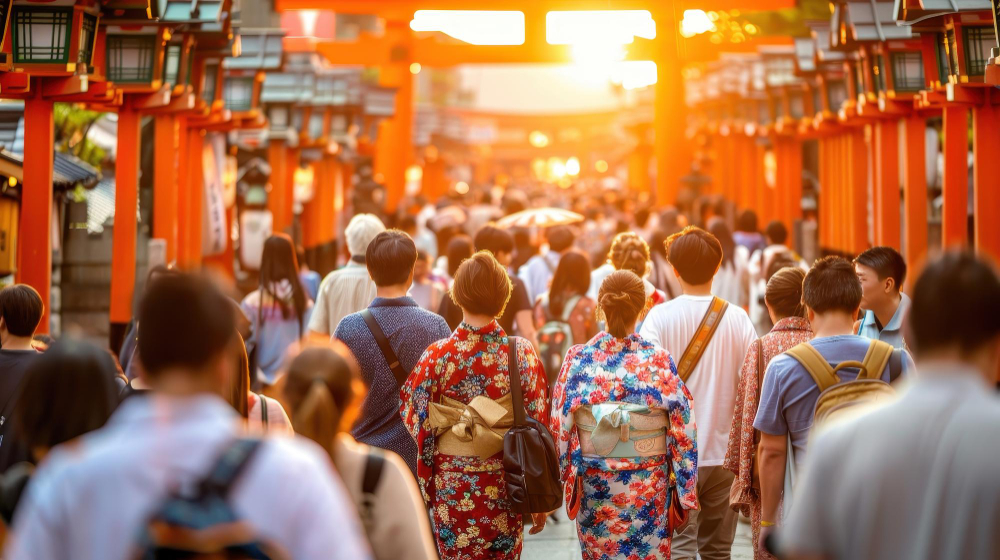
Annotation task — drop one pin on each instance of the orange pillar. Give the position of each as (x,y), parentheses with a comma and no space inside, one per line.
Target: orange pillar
(761,191)
(843,218)
(291,165)
(165,183)
(278,161)
(435,181)
(183,195)
(887,183)
(822,198)
(915,192)
(34,255)
(638,169)
(400,140)
(126,203)
(790,176)
(954,219)
(669,119)
(857,157)
(986,147)
(191,217)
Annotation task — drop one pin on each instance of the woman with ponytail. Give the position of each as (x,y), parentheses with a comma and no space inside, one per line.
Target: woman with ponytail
(323,392)
(783,298)
(618,383)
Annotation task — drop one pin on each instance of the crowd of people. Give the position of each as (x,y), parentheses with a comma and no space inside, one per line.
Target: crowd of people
(686,369)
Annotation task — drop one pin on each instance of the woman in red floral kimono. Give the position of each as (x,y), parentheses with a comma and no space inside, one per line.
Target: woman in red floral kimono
(783,298)
(456,404)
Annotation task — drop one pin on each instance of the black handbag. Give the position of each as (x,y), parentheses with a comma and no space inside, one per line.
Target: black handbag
(530,462)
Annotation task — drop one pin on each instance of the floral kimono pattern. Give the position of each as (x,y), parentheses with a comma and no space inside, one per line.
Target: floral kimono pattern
(745,494)
(467,494)
(623,501)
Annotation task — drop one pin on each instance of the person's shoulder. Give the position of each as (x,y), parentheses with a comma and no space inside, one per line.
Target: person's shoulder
(737,314)
(252,299)
(290,458)
(426,317)
(784,365)
(349,326)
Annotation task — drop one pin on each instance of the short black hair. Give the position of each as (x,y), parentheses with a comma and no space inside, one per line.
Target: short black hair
(560,238)
(886,262)
(832,285)
(21,308)
(695,254)
(956,300)
(390,257)
(776,233)
(184,322)
(747,221)
(67,391)
(494,240)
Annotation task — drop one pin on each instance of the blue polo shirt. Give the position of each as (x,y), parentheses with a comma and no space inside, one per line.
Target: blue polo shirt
(891,332)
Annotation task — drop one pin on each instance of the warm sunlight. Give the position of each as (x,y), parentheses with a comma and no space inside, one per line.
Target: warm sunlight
(476,27)
(695,22)
(613,27)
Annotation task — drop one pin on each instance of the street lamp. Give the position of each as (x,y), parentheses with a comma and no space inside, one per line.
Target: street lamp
(131,57)
(44,36)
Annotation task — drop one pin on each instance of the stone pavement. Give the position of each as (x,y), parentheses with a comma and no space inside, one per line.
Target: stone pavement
(558,542)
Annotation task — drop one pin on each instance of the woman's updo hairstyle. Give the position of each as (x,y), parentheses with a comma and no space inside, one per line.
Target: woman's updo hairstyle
(784,292)
(622,298)
(630,252)
(482,286)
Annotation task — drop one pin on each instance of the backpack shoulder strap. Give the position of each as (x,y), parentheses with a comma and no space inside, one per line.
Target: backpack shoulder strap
(568,307)
(229,465)
(696,348)
(895,365)
(817,366)
(876,359)
(374,463)
(383,344)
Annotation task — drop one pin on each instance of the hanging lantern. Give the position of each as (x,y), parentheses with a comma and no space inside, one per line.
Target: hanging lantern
(132,58)
(58,37)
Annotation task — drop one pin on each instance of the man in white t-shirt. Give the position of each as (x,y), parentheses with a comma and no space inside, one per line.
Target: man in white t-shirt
(695,256)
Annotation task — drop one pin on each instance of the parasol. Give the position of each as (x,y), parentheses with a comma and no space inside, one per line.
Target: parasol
(540,217)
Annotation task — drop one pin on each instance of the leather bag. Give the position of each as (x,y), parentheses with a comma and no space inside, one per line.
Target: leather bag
(530,462)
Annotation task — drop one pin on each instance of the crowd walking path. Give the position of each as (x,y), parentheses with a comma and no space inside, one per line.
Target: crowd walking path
(558,542)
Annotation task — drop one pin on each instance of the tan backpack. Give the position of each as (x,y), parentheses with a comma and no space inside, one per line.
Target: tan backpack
(840,399)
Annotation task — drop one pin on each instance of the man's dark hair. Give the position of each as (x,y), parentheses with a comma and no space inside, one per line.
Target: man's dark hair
(390,258)
(886,262)
(776,233)
(560,238)
(695,254)
(184,322)
(832,285)
(747,221)
(956,300)
(494,240)
(21,308)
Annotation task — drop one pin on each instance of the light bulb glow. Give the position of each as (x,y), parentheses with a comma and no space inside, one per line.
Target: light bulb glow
(573,166)
(462,187)
(601,166)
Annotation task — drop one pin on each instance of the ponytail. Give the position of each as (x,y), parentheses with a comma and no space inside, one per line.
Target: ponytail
(318,416)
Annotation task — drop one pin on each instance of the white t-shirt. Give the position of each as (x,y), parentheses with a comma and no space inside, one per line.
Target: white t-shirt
(671,326)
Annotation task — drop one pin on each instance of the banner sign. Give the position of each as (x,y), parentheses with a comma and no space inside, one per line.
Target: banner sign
(214,230)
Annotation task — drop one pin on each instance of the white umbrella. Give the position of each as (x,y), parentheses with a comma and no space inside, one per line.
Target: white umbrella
(540,217)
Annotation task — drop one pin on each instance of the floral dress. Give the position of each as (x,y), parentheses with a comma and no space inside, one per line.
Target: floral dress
(623,501)
(467,494)
(745,494)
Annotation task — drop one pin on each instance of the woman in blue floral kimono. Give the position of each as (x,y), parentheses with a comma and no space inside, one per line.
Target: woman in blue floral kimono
(626,434)
(456,403)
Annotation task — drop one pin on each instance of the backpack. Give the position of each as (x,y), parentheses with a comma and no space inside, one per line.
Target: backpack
(843,399)
(555,338)
(205,525)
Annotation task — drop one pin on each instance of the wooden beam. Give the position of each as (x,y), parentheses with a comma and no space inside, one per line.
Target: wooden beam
(857,160)
(69,85)
(123,247)
(986,147)
(34,255)
(184,193)
(395,9)
(195,199)
(165,183)
(886,160)
(915,193)
(955,188)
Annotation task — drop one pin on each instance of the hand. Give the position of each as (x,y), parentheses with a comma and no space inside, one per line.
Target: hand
(537,523)
(762,551)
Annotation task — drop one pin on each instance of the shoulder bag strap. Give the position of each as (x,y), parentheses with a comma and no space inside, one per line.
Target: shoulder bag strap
(760,366)
(383,344)
(373,470)
(876,359)
(263,411)
(568,307)
(517,400)
(817,366)
(696,348)
(229,465)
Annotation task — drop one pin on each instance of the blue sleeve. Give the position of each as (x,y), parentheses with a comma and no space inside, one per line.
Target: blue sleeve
(770,417)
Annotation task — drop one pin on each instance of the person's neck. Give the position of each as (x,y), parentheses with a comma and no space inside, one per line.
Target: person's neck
(476,321)
(181,383)
(696,289)
(10,342)
(885,310)
(834,323)
(392,292)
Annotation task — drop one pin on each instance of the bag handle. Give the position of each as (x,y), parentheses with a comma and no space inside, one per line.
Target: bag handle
(228,466)
(817,366)
(517,401)
(383,344)
(696,348)
(760,366)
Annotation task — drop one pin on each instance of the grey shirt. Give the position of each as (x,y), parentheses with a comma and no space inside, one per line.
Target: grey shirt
(914,480)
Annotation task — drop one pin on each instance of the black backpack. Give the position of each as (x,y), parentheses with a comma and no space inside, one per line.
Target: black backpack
(205,525)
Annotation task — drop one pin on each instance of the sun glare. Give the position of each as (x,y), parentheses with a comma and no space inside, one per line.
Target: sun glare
(618,27)
(476,27)
(695,22)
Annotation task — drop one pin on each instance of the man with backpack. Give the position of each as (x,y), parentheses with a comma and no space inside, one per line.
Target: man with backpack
(172,473)
(917,479)
(387,339)
(882,272)
(804,381)
(708,339)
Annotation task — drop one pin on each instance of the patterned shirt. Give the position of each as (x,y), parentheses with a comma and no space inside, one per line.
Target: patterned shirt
(410,330)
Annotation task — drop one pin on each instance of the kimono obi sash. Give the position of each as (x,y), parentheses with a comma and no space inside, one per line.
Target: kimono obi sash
(474,429)
(621,430)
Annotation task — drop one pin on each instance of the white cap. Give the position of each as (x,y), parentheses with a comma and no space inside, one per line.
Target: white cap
(360,232)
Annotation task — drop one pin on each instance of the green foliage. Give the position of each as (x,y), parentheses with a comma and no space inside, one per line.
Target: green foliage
(72,123)
(791,21)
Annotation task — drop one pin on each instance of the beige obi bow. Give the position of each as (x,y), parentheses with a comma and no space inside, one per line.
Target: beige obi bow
(621,430)
(470,429)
